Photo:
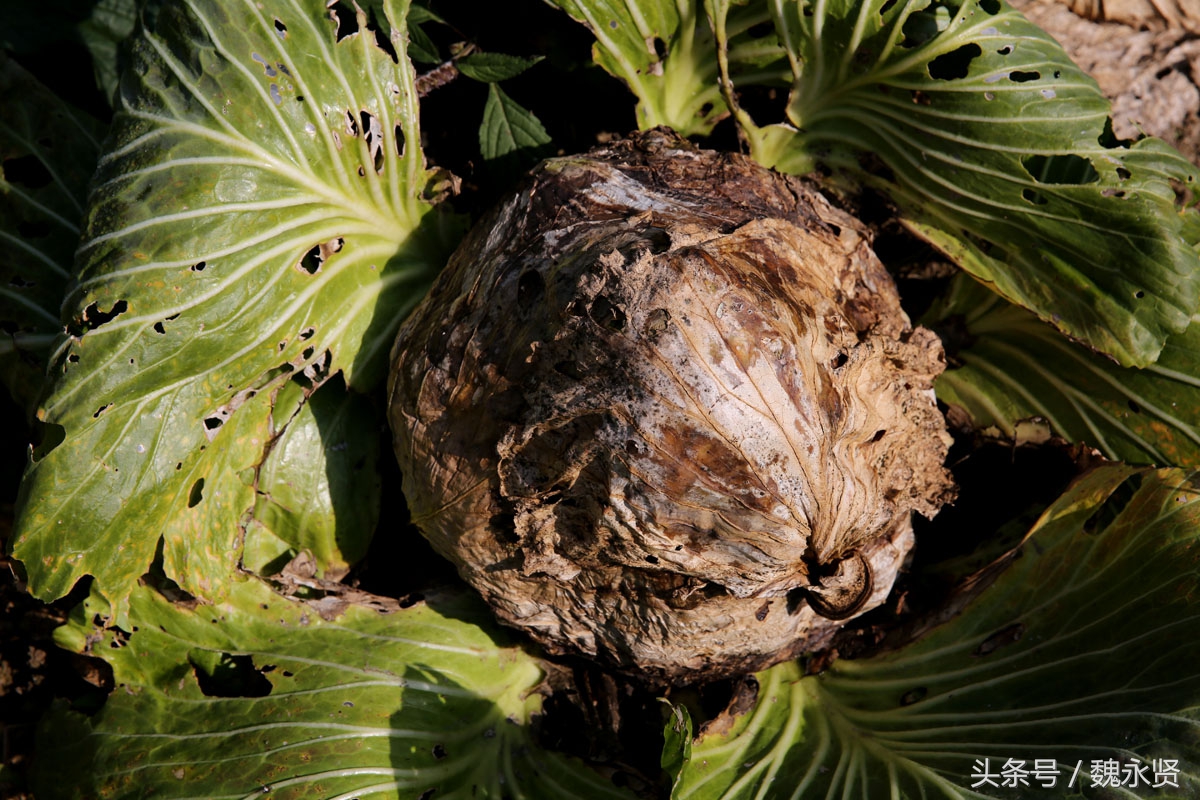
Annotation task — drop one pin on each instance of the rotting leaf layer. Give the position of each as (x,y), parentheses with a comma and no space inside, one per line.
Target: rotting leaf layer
(663,407)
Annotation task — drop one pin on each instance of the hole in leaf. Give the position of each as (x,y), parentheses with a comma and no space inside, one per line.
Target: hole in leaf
(1022,76)
(93,317)
(212,423)
(315,257)
(660,48)
(1068,169)
(159,328)
(794,600)
(227,675)
(604,313)
(351,124)
(1139,294)
(1113,506)
(1034,196)
(316,372)
(73,358)
(530,288)
(374,139)
(652,559)
(101,410)
(1134,407)
(955,64)
(266,65)
(307,333)
(878,435)
(280,29)
(28,171)
(1123,173)
(840,360)
(399,141)
(196,494)
(46,437)
(346,19)
(308,353)
(990,6)
(1008,48)
(1109,139)
(198,266)
(1113,193)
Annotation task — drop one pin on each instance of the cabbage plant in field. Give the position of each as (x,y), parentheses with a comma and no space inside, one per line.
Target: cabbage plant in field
(201,302)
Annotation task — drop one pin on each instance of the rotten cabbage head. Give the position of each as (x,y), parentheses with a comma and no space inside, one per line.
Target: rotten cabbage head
(663,408)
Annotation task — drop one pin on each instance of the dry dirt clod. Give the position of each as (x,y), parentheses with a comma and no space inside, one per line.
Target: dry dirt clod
(663,408)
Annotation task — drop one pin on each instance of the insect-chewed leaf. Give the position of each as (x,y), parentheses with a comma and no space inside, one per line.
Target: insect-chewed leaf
(1081,653)
(999,151)
(259,696)
(1008,366)
(48,151)
(259,213)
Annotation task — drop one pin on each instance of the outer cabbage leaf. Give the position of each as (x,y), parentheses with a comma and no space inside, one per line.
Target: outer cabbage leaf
(259,213)
(318,487)
(998,150)
(48,151)
(1082,651)
(1009,367)
(666,54)
(259,696)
